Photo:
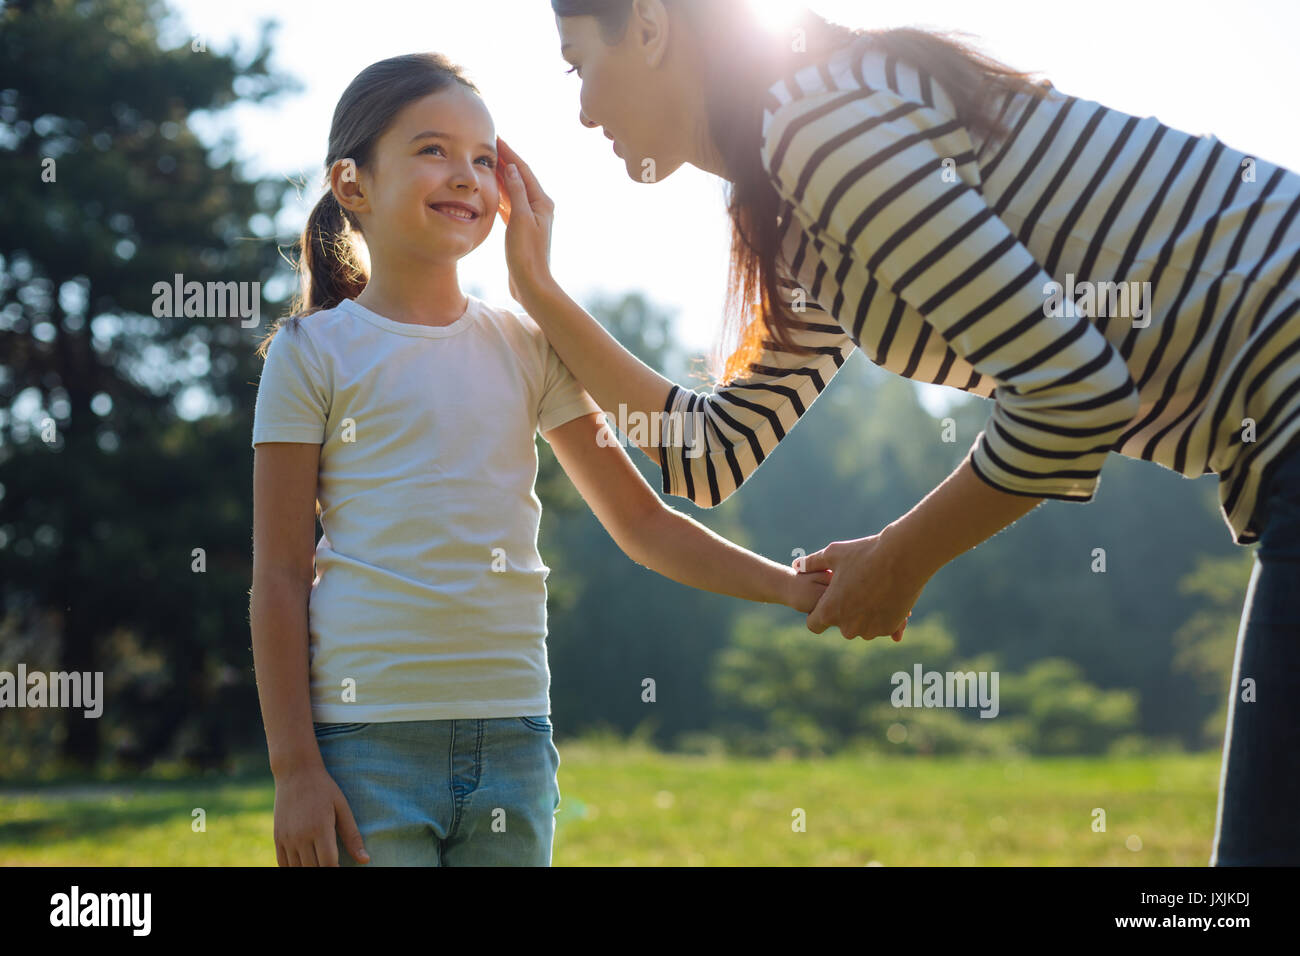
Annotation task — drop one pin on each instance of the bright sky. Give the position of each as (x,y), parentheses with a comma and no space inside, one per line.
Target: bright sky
(1196,65)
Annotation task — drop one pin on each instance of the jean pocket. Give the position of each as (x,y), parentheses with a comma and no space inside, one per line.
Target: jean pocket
(336,730)
(542,723)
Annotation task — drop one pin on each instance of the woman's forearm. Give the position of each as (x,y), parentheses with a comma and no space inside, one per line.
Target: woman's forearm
(611,374)
(953,518)
(682,549)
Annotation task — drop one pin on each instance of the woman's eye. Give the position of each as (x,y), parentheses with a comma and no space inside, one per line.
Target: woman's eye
(573,70)
(427,148)
(491,164)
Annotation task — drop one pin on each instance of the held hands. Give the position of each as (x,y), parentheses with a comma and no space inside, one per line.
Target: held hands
(803,591)
(528,214)
(872,588)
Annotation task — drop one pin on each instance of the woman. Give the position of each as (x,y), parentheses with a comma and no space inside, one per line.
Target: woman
(1113,284)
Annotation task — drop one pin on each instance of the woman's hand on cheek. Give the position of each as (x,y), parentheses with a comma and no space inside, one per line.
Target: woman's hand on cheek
(529,214)
(872,590)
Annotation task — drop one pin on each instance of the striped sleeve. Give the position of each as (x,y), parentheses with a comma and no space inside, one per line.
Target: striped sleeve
(719,438)
(893,186)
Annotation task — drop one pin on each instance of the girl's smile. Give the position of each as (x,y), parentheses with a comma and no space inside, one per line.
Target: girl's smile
(459,211)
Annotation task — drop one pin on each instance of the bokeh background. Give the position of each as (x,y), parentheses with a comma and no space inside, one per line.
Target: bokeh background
(187,137)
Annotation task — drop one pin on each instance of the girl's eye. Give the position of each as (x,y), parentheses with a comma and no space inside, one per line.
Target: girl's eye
(491,164)
(573,70)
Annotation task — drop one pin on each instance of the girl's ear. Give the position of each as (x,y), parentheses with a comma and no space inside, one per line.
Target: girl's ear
(345,184)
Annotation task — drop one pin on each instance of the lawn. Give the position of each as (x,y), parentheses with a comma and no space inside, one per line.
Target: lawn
(626,805)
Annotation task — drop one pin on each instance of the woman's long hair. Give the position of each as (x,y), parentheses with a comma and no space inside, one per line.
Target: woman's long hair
(743,60)
(328,264)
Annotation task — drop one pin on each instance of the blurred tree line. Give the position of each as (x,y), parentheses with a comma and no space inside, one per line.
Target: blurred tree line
(125,485)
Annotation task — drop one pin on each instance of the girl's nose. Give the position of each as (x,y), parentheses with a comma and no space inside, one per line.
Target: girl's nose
(589,123)
(462,179)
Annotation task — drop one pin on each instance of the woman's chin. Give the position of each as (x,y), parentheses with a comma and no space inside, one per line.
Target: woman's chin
(648,170)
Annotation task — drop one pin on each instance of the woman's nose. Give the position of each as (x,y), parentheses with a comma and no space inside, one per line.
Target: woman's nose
(586,121)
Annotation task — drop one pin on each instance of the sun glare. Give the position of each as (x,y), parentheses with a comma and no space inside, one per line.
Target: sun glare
(776,15)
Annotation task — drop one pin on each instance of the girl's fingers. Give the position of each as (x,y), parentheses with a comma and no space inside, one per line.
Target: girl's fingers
(327,851)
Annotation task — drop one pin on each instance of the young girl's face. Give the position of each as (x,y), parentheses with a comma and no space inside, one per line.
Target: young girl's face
(431,188)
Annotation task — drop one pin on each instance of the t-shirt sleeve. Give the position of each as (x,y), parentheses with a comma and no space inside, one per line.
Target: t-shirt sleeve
(563,397)
(292,396)
(869,175)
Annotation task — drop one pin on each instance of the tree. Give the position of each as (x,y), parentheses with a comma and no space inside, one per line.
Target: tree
(1207,641)
(108,489)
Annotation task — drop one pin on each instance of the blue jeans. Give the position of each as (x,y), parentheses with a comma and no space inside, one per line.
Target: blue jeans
(1258,820)
(466,792)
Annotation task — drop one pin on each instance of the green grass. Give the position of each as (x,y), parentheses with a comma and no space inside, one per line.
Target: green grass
(624,805)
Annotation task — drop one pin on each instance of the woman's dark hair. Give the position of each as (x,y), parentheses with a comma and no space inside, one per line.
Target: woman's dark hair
(743,60)
(329,269)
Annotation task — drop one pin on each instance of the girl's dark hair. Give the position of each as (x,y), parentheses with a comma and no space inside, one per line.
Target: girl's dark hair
(329,268)
(739,60)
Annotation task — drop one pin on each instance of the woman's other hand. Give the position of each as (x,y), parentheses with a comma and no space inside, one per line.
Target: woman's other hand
(872,591)
(528,214)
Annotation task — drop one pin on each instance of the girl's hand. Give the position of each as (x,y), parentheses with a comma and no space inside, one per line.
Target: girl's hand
(872,589)
(529,214)
(309,806)
(805,590)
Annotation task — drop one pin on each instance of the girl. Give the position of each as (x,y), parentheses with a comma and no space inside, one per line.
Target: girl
(967,227)
(405,690)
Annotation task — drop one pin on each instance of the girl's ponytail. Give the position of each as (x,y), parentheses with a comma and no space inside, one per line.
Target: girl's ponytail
(329,269)
(329,266)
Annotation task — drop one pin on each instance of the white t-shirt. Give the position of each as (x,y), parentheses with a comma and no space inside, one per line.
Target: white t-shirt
(429,600)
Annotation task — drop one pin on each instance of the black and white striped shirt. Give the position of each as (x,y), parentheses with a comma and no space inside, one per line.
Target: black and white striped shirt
(934,252)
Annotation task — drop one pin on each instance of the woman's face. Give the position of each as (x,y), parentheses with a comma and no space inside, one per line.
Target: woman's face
(628,89)
(438,155)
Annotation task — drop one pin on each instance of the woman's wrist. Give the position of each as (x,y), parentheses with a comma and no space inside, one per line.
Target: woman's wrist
(538,291)
(914,556)
(953,518)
